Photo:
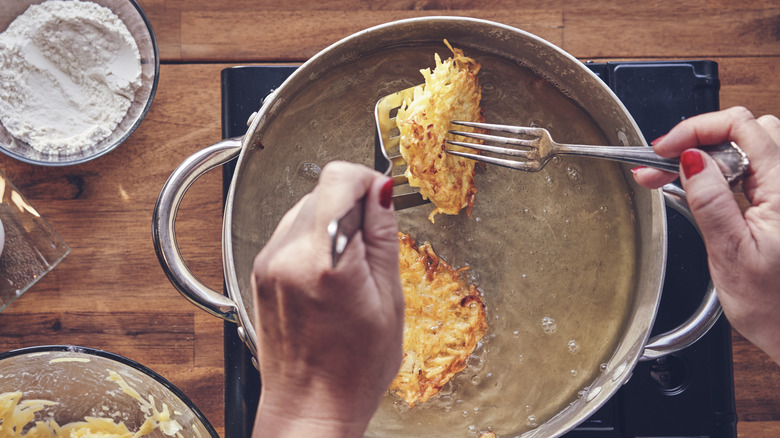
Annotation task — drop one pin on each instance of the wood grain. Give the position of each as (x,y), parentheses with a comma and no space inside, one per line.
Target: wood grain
(298,35)
(742,36)
(110,292)
(269,31)
(756,382)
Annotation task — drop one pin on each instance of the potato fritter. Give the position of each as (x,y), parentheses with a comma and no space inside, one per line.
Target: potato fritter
(451,92)
(444,320)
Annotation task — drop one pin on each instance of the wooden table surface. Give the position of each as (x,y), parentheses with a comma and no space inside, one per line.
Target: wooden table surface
(110,292)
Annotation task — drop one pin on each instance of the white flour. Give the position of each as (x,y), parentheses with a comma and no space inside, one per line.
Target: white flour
(68,73)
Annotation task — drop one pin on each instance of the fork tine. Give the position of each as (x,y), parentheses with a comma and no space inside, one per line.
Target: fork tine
(529,166)
(496,139)
(527,154)
(519,130)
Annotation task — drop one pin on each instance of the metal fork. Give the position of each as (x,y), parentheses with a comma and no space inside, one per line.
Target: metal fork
(538,148)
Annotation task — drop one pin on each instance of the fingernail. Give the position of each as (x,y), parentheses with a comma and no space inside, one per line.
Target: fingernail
(386,194)
(638,169)
(657,140)
(692,162)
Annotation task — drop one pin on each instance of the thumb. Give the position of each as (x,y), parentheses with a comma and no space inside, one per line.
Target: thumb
(713,206)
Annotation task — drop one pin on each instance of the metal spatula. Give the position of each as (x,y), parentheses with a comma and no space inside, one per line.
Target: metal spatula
(388,144)
(388,158)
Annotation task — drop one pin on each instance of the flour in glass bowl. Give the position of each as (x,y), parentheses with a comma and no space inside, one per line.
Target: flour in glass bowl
(69,71)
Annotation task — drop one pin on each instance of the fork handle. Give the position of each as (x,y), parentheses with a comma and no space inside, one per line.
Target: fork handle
(731,159)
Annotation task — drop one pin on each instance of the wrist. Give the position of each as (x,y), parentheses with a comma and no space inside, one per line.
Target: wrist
(306,413)
(269,423)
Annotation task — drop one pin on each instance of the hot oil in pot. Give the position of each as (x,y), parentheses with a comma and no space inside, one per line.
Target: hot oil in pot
(553,253)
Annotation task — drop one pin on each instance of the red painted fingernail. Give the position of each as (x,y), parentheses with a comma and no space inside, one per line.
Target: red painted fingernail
(657,140)
(638,169)
(386,194)
(692,162)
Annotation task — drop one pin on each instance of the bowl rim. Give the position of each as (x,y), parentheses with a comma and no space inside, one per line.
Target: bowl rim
(122,360)
(133,127)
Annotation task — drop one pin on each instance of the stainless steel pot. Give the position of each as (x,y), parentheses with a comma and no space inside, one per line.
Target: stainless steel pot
(570,260)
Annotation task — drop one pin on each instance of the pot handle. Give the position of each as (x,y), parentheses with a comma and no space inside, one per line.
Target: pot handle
(703,318)
(164,234)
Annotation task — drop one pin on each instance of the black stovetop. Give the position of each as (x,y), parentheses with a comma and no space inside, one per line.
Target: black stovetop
(686,394)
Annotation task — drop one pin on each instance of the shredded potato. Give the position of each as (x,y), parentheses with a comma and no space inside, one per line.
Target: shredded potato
(451,92)
(17,419)
(444,320)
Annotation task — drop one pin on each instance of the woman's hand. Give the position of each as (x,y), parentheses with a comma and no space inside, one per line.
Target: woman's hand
(743,247)
(329,338)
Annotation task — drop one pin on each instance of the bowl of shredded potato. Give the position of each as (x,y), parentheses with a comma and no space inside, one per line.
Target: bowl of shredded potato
(67,391)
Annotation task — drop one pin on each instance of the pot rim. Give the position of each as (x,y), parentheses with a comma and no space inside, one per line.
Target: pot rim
(269,105)
(586,405)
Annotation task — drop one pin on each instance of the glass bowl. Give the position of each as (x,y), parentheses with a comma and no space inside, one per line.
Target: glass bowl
(30,246)
(137,23)
(83,383)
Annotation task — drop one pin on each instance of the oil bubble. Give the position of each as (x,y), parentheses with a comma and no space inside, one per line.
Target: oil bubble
(465,414)
(532,421)
(520,358)
(516,334)
(401,406)
(548,325)
(476,380)
(549,180)
(573,174)
(310,170)
(444,402)
(574,373)
(475,362)
(603,367)
(573,346)
(446,391)
(624,138)
(488,87)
